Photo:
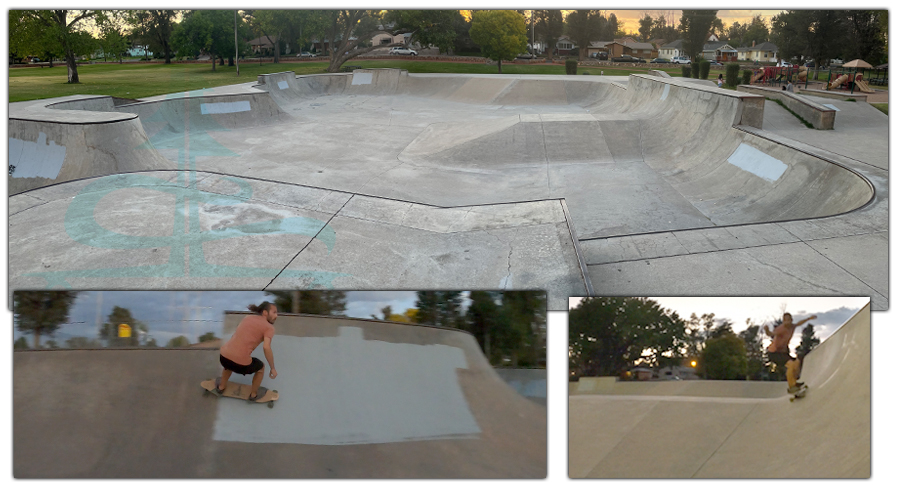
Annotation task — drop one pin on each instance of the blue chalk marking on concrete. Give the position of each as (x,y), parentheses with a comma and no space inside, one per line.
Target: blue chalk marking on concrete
(220,108)
(665,93)
(35,158)
(756,162)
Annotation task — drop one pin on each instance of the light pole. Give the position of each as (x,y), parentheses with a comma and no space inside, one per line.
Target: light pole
(236,63)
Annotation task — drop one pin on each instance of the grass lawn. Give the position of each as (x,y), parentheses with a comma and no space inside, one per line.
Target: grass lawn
(881,106)
(144,80)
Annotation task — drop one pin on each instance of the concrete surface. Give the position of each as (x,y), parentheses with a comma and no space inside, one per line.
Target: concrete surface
(382,179)
(358,399)
(727,429)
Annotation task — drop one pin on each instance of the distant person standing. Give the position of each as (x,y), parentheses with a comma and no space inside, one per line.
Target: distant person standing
(720,81)
(790,86)
(234,355)
(779,352)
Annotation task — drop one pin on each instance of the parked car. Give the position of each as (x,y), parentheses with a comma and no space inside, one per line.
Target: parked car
(715,63)
(306,54)
(403,51)
(628,58)
(600,56)
(526,55)
(681,60)
(659,60)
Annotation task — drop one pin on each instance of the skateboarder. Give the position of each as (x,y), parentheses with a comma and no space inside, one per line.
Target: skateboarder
(779,353)
(235,354)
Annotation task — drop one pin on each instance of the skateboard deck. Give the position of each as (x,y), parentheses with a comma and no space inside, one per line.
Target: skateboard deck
(799,394)
(239,391)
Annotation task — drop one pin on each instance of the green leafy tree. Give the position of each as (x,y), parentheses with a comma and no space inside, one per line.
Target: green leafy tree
(276,26)
(440,308)
(154,28)
(349,34)
(20,343)
(584,26)
(724,358)
(645,27)
(208,337)
(481,318)
(756,31)
(112,40)
(611,29)
(500,34)
(548,27)
(695,28)
(386,313)
(179,341)
(109,331)
(83,343)
(663,30)
(808,341)
(321,302)
(428,28)
(866,36)
(756,360)
(150,342)
(209,32)
(56,31)
(521,335)
(42,313)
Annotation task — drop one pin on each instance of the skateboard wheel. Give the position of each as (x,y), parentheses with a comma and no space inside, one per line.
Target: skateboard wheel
(271,404)
(205,393)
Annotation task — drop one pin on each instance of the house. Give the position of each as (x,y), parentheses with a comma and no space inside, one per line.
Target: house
(596,47)
(262,45)
(719,51)
(565,46)
(388,39)
(629,47)
(764,52)
(672,50)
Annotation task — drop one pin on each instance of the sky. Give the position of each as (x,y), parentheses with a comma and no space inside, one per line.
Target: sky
(169,314)
(831,312)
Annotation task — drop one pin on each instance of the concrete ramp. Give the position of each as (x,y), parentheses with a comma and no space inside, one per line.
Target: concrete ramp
(358,399)
(679,430)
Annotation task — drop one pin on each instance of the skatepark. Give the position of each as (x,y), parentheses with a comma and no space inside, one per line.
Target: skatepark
(382,179)
(731,429)
(358,399)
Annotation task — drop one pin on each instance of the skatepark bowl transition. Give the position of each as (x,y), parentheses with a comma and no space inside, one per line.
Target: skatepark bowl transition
(731,429)
(377,179)
(357,399)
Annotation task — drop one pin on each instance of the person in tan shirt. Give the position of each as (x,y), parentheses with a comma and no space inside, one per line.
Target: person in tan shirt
(779,353)
(234,355)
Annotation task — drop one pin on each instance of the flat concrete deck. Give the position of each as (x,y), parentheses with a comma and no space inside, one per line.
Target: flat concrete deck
(357,399)
(381,179)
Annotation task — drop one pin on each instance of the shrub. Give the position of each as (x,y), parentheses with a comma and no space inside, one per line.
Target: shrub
(745,79)
(571,67)
(704,69)
(695,69)
(686,71)
(731,74)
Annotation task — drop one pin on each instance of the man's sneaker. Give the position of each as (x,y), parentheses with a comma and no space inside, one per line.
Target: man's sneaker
(259,393)
(218,382)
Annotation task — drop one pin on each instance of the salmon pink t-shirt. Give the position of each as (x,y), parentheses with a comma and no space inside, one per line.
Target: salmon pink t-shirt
(248,335)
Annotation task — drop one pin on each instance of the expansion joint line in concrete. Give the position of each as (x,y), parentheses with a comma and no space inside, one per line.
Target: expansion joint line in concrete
(735,428)
(639,259)
(805,242)
(582,264)
(546,156)
(308,242)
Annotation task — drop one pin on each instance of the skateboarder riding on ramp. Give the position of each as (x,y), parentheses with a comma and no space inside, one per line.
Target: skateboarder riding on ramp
(235,354)
(779,353)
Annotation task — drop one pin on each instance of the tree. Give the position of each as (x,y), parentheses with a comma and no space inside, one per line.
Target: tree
(500,33)
(179,341)
(110,330)
(42,313)
(385,312)
(548,27)
(808,341)
(441,308)
(208,337)
(646,27)
(59,34)
(275,25)
(695,29)
(154,28)
(434,28)
(866,36)
(756,32)
(349,34)
(612,27)
(321,302)
(481,318)
(112,39)
(83,343)
(584,26)
(724,358)
(20,343)
(756,360)
(209,32)
(661,29)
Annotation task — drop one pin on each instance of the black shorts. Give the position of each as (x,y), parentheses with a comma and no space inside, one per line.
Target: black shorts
(779,358)
(254,366)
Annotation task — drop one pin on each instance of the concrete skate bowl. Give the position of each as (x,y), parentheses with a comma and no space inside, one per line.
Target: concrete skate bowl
(358,399)
(726,429)
(485,181)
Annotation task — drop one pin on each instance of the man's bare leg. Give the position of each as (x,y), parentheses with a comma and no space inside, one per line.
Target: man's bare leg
(257,381)
(792,369)
(226,374)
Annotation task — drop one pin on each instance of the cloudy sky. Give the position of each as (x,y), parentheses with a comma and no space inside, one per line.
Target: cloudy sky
(831,311)
(169,314)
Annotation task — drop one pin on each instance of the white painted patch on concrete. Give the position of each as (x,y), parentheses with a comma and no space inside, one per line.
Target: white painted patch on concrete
(665,93)
(506,282)
(348,390)
(832,106)
(757,163)
(361,79)
(282,84)
(36,158)
(220,108)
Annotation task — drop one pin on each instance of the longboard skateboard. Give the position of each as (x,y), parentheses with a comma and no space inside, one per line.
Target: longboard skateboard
(799,394)
(238,391)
